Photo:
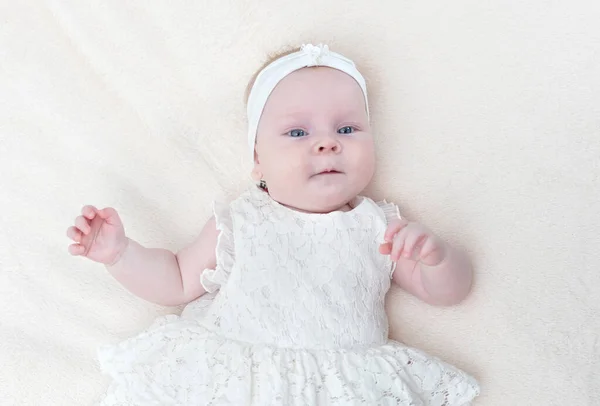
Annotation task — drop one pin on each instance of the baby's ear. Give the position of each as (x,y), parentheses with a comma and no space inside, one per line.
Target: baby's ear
(256,173)
(257,165)
(256,160)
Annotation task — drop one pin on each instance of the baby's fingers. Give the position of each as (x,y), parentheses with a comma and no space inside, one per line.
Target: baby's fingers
(413,244)
(433,252)
(385,248)
(82,224)
(76,249)
(398,244)
(89,212)
(110,215)
(393,229)
(74,234)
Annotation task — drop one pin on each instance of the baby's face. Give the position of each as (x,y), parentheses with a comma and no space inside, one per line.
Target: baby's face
(314,145)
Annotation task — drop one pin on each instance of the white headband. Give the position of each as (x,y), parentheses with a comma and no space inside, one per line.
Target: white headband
(272,74)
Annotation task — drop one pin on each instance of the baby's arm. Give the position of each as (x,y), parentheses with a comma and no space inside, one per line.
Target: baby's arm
(160,276)
(154,274)
(426,266)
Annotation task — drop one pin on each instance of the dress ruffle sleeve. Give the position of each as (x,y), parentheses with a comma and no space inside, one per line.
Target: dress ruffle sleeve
(213,279)
(391,213)
(390,210)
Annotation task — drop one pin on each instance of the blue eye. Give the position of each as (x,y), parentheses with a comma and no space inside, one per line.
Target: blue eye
(346,130)
(296,133)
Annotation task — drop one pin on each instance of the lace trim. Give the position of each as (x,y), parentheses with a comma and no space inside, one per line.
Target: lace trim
(391,213)
(390,210)
(213,279)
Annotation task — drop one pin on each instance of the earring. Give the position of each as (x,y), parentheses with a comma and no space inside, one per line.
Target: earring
(258,177)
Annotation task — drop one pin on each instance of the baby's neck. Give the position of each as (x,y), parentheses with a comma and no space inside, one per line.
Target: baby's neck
(343,208)
(347,207)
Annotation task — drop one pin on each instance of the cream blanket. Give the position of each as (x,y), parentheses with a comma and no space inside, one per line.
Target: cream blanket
(487,119)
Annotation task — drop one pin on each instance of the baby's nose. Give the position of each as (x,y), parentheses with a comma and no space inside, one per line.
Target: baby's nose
(328,144)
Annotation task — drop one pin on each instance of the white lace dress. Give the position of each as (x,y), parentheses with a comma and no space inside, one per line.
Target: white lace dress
(295,316)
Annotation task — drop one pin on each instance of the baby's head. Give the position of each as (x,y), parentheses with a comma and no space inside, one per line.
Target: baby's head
(309,130)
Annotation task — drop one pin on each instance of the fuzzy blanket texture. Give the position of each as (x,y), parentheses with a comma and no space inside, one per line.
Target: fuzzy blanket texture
(487,123)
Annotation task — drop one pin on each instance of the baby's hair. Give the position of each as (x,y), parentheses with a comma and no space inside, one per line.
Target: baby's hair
(271,57)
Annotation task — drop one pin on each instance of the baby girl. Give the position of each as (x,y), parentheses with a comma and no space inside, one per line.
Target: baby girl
(296,268)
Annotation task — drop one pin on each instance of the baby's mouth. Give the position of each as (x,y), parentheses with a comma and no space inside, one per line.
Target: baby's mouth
(328,172)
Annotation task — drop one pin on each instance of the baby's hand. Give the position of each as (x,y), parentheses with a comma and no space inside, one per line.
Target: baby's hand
(413,241)
(98,234)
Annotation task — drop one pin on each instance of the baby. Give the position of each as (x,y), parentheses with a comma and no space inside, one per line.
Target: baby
(297,268)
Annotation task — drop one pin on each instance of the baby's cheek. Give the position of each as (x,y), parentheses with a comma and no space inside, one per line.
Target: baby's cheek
(365,169)
(286,174)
